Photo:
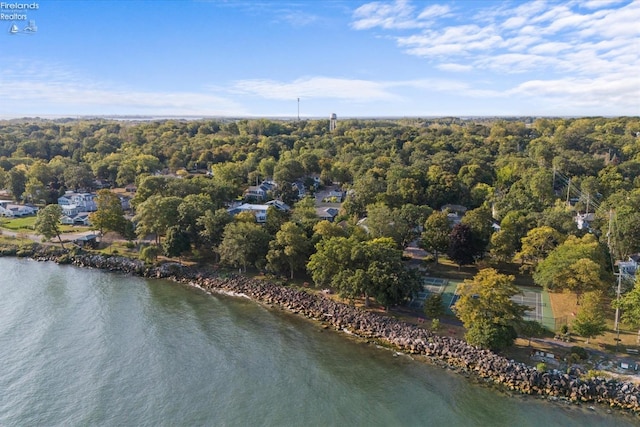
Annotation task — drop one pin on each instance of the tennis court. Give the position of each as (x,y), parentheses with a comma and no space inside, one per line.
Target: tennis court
(533,300)
(537,308)
(430,285)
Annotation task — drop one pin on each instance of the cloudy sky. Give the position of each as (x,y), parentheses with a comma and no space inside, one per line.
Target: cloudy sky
(352,58)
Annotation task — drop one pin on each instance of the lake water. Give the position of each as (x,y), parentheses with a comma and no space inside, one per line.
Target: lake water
(86,347)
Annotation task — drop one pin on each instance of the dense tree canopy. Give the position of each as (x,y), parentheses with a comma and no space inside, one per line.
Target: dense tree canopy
(487,310)
(527,174)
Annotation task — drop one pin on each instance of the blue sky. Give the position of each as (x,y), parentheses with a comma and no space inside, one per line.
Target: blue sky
(354,58)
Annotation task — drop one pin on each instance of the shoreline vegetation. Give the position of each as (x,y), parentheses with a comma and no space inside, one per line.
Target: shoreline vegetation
(447,352)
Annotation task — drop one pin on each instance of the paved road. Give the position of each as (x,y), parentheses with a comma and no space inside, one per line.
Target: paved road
(66,237)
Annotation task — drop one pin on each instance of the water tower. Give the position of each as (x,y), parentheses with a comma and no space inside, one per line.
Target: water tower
(333,122)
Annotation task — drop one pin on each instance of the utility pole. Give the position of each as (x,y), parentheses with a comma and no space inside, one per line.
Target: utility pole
(616,325)
(609,230)
(568,188)
(298,109)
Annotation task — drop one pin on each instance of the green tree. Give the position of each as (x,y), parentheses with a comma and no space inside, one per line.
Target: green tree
(109,215)
(155,215)
(177,242)
(383,221)
(193,207)
(17,182)
(487,311)
(34,191)
(304,214)
(435,237)
(433,306)
(481,224)
(578,265)
(325,230)
(290,248)
(149,253)
(48,222)
(243,243)
(630,307)
(212,225)
(537,244)
(590,320)
(371,268)
(78,176)
(529,329)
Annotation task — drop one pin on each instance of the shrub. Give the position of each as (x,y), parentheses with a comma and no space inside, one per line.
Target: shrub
(541,367)
(149,253)
(433,306)
(580,352)
(593,373)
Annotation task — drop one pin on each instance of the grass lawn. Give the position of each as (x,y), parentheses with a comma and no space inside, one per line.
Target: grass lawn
(19,224)
(565,307)
(26,225)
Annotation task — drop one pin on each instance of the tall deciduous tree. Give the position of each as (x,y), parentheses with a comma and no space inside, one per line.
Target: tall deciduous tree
(243,243)
(537,244)
(356,268)
(630,307)
(462,247)
(435,237)
(590,320)
(487,310)
(481,224)
(578,265)
(155,215)
(109,215)
(48,222)
(290,248)
(17,182)
(212,225)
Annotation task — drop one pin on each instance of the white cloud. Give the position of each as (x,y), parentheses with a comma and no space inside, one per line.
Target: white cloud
(317,87)
(37,86)
(453,67)
(606,94)
(597,4)
(576,48)
(434,11)
(397,15)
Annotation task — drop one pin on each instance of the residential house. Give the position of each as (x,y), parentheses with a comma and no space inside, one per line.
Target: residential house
(12,210)
(336,195)
(328,214)
(260,211)
(85,202)
(260,192)
(583,221)
(454,213)
(300,189)
(81,218)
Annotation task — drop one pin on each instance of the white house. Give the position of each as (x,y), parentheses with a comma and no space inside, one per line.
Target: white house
(81,218)
(260,211)
(11,210)
(85,202)
(584,220)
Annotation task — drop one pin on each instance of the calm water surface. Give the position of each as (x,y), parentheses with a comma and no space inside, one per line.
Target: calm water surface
(85,347)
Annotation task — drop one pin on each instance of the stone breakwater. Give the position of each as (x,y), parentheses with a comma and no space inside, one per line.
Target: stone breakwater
(445,351)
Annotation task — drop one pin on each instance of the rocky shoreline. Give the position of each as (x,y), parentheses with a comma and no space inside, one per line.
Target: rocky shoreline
(445,351)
